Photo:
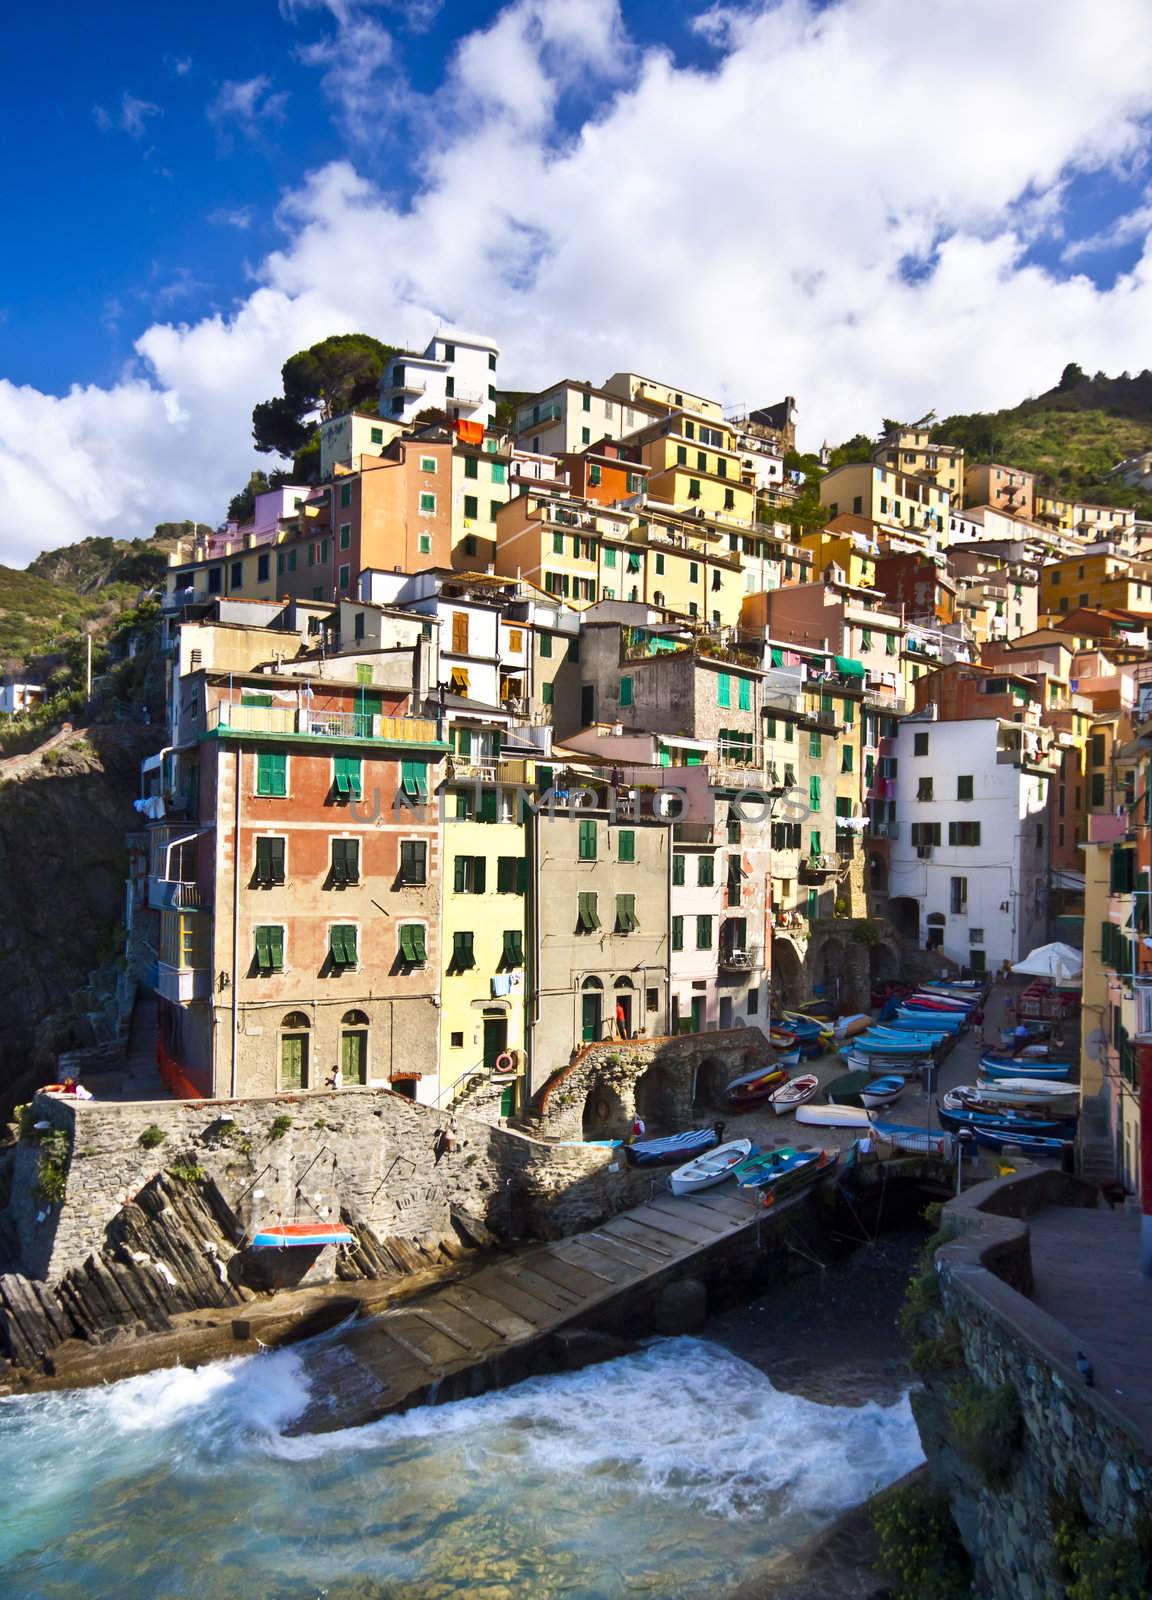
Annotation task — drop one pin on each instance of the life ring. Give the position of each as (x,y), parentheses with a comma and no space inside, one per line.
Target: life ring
(504,1062)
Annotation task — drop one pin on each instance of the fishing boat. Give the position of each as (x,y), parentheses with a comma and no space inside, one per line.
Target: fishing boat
(941,1004)
(994,1066)
(1026,1143)
(921,1141)
(712,1167)
(937,1021)
(845,1090)
(882,1091)
(755,1086)
(783,1168)
(833,1116)
(848,1027)
(661,1152)
(953,1114)
(970,988)
(793,1093)
(1027,1092)
(894,1044)
(301,1235)
(788,1058)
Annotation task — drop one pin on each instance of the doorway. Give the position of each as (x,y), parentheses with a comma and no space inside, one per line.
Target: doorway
(294,1051)
(354,1048)
(623,1016)
(591,1011)
(725,1011)
(495,1040)
(587,705)
(697,1014)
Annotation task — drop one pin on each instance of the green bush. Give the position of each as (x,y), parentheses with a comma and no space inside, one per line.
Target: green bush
(52,1177)
(986,1425)
(187,1172)
(279,1127)
(151,1137)
(920,1549)
(942,1352)
(921,1301)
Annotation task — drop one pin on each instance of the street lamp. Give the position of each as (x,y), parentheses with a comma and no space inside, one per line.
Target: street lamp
(964,1137)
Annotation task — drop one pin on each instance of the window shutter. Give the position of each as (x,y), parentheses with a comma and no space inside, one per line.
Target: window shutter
(488,806)
(678,869)
(460,870)
(479,873)
(505,874)
(522,875)
(744,686)
(263,949)
(724,689)
(276,948)
(513,948)
(587,839)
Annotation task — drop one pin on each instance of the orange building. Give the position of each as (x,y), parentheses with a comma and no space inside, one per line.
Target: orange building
(606,472)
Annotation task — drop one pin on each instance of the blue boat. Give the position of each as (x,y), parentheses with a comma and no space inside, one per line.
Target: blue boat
(993,1066)
(998,1123)
(938,1021)
(909,1044)
(675,1148)
(779,1169)
(301,1236)
(1027,1144)
(903,1136)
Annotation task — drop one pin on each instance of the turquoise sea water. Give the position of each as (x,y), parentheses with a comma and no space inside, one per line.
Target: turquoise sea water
(669,1473)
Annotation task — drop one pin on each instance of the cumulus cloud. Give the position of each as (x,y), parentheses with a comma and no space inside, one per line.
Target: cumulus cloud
(842,207)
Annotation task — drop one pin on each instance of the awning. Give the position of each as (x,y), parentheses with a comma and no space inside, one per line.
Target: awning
(848,668)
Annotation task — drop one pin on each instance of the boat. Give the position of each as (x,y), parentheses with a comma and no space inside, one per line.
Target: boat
(783,1168)
(1026,1092)
(788,1058)
(755,1086)
(937,1021)
(1026,1143)
(897,1044)
(957,1115)
(848,1027)
(882,1091)
(966,987)
(873,1065)
(712,1167)
(833,1116)
(845,1090)
(793,1093)
(661,1152)
(994,1066)
(921,1141)
(301,1235)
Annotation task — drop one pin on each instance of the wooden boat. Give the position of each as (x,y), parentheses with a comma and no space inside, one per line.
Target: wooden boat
(972,988)
(788,1058)
(755,1086)
(301,1235)
(908,1066)
(661,1152)
(921,1141)
(894,1044)
(845,1090)
(1027,1092)
(784,1168)
(936,1021)
(954,1114)
(793,1093)
(1027,1144)
(833,1116)
(848,1027)
(712,1167)
(882,1091)
(1009,1067)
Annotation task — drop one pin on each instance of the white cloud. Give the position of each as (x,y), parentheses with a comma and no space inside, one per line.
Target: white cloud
(232,217)
(246,105)
(131,116)
(740,229)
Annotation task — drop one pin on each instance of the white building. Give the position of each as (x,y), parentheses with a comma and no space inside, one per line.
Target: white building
(456,374)
(569,416)
(18,697)
(970,850)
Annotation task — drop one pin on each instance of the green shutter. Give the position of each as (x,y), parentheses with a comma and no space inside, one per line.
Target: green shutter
(488,810)
(263,950)
(677,933)
(459,870)
(271,773)
(705,871)
(414,779)
(346,772)
(522,875)
(626,843)
(342,943)
(678,865)
(814,792)
(744,688)
(814,746)
(588,916)
(506,875)
(724,689)
(625,913)
(625,691)
(587,845)
(846,758)
(513,948)
(703,933)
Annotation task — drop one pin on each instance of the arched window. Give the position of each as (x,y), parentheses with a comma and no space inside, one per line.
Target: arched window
(354,1048)
(623,983)
(294,1050)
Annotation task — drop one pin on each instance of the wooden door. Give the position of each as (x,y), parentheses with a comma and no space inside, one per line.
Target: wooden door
(294,1061)
(590,1030)
(354,1056)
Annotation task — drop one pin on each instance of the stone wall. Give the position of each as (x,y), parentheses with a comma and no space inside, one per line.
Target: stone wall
(674,1082)
(1072,1440)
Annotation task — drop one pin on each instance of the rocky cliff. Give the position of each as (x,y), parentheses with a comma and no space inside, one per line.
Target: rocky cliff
(64,810)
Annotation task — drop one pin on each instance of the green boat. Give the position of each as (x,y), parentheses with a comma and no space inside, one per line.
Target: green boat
(775,1168)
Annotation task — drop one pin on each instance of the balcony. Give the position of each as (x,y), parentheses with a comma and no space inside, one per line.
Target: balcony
(179,985)
(407,386)
(819,866)
(883,830)
(175,894)
(736,960)
(291,722)
(469,398)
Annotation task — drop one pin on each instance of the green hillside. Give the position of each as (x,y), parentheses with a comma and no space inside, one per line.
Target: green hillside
(1071,437)
(38,616)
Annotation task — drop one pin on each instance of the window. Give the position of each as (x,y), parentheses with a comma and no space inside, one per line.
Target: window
(546,644)
(346,777)
(270,948)
(744,688)
(512,954)
(1096,789)
(427,503)
(491,362)
(463,953)
(425,544)
(703,933)
(546,694)
(846,758)
(594,474)
(693,488)
(849,712)
(215,579)
(920,744)
(471,467)
(414,779)
(344,577)
(271,773)
(511,875)
(263,568)
(585,402)
(470,873)
(959,897)
(585,435)
(269,860)
(413,861)
(724,689)
(494,509)
(705,871)
(471,506)
(659,565)
(413,949)
(814,746)
(342,945)
(587,847)
(677,933)
(626,844)
(678,865)
(814,792)
(891,644)
(925,833)
(345,865)
(924,789)
(469,542)
(587,917)
(964,833)
(376,435)
(964,787)
(626,913)
(626,691)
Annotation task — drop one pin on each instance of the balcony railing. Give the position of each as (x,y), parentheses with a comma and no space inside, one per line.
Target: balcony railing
(292,721)
(736,960)
(884,830)
(819,866)
(181,984)
(172,894)
(466,397)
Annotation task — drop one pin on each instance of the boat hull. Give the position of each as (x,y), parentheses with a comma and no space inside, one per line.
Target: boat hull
(670,1151)
(300,1236)
(711,1168)
(833,1116)
(794,1093)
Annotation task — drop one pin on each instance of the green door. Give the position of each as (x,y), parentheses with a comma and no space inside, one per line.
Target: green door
(508,1101)
(354,1057)
(495,1040)
(369,703)
(590,1030)
(294,1061)
(698,1014)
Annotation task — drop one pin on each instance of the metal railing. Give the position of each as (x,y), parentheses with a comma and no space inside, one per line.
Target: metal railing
(275,720)
(741,960)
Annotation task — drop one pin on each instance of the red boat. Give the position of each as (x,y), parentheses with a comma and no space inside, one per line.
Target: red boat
(301,1235)
(755,1086)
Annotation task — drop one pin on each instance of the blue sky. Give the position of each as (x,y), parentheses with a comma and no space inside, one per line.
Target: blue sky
(757,198)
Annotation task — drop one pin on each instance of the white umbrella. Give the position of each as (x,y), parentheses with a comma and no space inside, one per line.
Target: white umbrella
(1058,961)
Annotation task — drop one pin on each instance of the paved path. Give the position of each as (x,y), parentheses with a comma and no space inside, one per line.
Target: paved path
(400,1358)
(1087,1271)
(139,1078)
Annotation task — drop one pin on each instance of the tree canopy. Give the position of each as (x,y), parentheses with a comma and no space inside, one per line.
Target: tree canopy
(340,373)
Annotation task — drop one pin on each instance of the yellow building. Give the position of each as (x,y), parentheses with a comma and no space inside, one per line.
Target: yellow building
(694,466)
(894,499)
(910,450)
(581,552)
(483,921)
(1114,583)
(843,550)
(480,486)
(631,386)
(1085,521)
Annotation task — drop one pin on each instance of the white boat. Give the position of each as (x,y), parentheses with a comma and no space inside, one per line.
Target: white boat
(882,1091)
(833,1116)
(1026,1092)
(712,1167)
(793,1093)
